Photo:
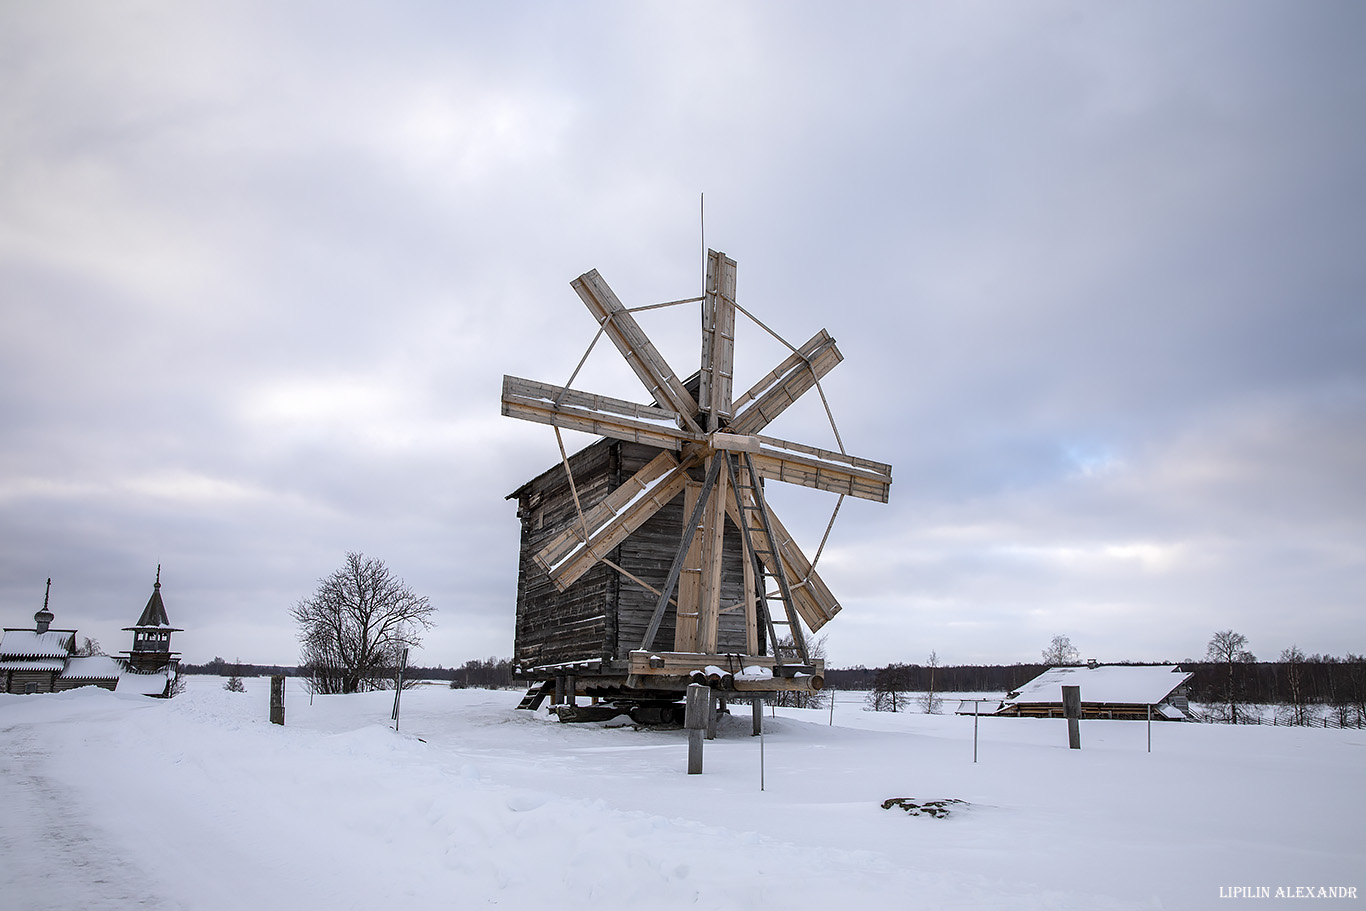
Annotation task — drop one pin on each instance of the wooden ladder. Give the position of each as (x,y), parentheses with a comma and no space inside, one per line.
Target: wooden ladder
(535,694)
(749,498)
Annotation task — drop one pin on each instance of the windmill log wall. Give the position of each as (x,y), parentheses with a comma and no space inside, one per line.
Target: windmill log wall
(604,614)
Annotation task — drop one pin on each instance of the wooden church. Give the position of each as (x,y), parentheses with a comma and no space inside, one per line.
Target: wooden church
(44,660)
(651,559)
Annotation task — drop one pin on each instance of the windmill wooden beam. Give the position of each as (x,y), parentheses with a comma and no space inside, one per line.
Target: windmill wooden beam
(701,466)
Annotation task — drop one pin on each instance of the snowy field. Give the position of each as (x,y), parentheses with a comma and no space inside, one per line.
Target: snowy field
(113,801)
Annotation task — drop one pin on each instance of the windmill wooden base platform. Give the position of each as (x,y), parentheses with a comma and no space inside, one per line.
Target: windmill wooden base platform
(650,559)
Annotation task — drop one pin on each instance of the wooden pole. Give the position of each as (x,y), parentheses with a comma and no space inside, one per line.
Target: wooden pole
(761,750)
(398,684)
(1150,727)
(976,711)
(695,720)
(756,711)
(832,709)
(570,685)
(1071,707)
(277,699)
(712,711)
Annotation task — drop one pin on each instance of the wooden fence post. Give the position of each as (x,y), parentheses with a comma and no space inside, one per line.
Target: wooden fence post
(695,720)
(277,699)
(1071,707)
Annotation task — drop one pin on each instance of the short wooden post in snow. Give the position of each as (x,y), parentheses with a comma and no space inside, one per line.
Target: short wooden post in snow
(695,720)
(1071,707)
(277,699)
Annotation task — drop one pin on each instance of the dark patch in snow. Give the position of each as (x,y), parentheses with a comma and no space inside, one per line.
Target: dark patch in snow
(937,808)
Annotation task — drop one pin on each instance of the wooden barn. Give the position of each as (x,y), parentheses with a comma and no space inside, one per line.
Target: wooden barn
(1118,691)
(650,559)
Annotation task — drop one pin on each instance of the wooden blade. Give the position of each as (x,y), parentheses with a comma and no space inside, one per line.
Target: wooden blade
(561,545)
(597,414)
(718,339)
(640,506)
(822,469)
(621,327)
(811,597)
(786,383)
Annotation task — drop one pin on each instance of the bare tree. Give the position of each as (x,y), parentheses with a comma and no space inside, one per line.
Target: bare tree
(800,699)
(1060,652)
(353,628)
(931,701)
(179,683)
(1229,649)
(1296,708)
(889,689)
(88,647)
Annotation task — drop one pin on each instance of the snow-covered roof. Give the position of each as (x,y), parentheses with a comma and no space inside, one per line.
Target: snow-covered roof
(978,706)
(27,643)
(32,664)
(94,667)
(144,684)
(1113,684)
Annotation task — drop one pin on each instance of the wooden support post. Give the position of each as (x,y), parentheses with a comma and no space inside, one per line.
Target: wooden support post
(1071,707)
(756,707)
(713,541)
(712,711)
(695,720)
(690,579)
(570,684)
(277,699)
(558,698)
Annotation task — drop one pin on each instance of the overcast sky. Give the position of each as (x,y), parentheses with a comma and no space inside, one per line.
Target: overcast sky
(1097,272)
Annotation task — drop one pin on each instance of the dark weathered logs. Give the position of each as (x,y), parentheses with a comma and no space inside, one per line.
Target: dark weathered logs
(695,720)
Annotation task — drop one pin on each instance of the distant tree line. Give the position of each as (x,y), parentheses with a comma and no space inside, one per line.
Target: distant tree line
(966,678)
(487,673)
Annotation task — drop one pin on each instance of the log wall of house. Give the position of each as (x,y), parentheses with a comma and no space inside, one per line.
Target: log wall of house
(20,679)
(61,685)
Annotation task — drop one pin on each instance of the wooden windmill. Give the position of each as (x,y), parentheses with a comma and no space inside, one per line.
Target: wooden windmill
(705,448)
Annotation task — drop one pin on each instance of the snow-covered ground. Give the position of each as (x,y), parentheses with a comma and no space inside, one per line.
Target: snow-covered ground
(114,801)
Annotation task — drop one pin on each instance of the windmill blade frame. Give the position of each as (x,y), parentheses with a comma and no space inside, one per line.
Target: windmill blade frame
(693,460)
